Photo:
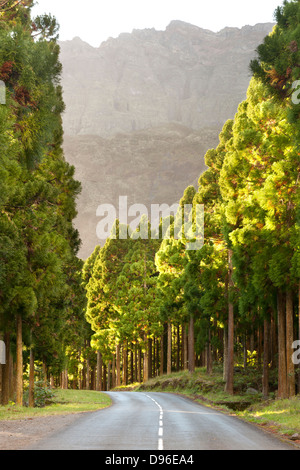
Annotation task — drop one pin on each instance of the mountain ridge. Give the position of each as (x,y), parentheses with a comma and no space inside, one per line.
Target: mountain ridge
(137,102)
(176,23)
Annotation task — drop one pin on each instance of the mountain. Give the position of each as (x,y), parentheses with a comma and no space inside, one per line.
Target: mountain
(143,109)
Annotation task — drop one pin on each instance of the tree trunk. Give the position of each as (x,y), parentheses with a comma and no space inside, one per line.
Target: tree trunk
(185,348)
(108,376)
(19,363)
(88,374)
(209,354)
(282,378)
(165,346)
(136,365)
(104,378)
(273,342)
(157,357)
(125,364)
(93,378)
(290,369)
(191,345)
(99,372)
(265,385)
(169,360)
(131,364)
(64,379)
(118,365)
(230,358)
(31,380)
(245,354)
(225,355)
(113,372)
(178,350)
(149,358)
(139,365)
(145,366)
(161,371)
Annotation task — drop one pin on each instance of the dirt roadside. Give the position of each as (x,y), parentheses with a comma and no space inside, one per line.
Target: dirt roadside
(20,434)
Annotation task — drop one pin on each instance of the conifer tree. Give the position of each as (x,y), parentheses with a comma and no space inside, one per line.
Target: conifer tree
(38,205)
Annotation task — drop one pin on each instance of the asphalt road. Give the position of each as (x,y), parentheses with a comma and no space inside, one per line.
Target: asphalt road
(159,421)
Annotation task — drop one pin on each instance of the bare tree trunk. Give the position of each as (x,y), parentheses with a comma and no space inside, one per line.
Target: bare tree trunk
(136,365)
(108,376)
(88,374)
(113,372)
(146,363)
(282,378)
(52,381)
(245,352)
(161,371)
(265,385)
(19,363)
(99,372)
(125,364)
(191,345)
(185,348)
(149,358)
(139,365)
(64,379)
(209,354)
(31,380)
(169,361)
(104,378)
(118,366)
(225,355)
(178,350)
(230,358)
(157,357)
(131,364)
(273,341)
(290,370)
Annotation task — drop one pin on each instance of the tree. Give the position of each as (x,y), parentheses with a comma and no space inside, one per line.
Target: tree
(259,187)
(38,205)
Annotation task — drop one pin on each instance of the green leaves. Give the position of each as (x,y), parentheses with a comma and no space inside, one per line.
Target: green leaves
(39,271)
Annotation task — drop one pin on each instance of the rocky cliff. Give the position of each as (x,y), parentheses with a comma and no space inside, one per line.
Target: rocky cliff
(142,110)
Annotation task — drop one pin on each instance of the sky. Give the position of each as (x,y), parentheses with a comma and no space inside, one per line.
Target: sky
(94,21)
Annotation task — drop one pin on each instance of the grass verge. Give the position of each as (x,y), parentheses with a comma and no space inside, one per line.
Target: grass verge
(63,402)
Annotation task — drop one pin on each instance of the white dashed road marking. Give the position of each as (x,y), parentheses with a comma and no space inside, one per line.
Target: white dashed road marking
(161,425)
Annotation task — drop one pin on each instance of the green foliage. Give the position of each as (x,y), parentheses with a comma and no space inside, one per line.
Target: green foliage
(39,270)
(43,394)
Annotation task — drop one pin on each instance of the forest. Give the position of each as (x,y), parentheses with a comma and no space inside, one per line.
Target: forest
(141,306)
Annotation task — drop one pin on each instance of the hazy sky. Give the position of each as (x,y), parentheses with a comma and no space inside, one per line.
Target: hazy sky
(97,20)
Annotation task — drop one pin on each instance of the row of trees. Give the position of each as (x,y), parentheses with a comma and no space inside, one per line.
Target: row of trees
(41,298)
(142,306)
(241,291)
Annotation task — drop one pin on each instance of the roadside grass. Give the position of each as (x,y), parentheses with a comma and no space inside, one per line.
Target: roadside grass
(248,403)
(63,402)
(208,388)
(280,415)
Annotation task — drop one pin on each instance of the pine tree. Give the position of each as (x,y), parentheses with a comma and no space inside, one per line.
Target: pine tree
(38,204)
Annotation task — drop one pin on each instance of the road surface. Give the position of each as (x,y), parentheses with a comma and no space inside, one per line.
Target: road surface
(159,421)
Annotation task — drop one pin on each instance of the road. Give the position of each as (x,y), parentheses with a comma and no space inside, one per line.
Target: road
(159,421)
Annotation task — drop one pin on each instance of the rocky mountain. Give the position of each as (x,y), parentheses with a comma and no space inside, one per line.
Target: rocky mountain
(142,110)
